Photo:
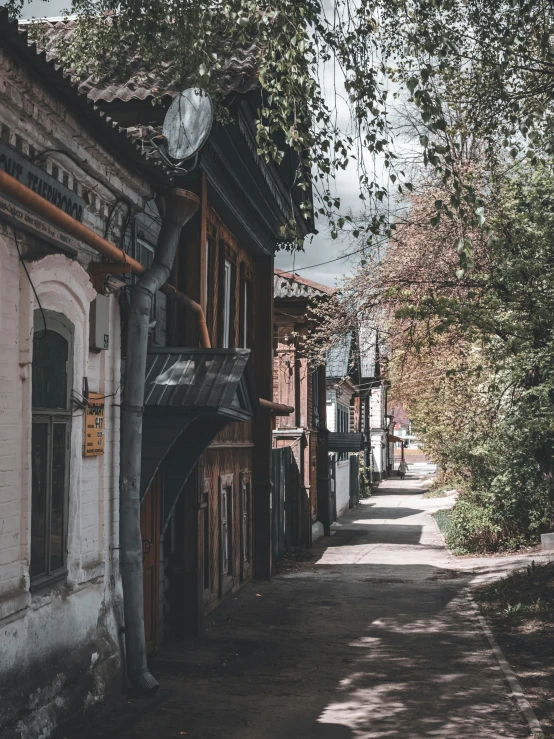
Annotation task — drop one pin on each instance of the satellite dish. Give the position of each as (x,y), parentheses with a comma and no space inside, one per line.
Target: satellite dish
(187,124)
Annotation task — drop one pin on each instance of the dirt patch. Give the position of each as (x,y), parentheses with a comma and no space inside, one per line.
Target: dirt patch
(520,611)
(295,559)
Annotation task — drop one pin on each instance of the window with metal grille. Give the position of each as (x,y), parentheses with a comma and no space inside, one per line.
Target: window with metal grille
(50,444)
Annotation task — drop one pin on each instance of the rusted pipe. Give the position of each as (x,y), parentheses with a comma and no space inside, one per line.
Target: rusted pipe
(39,205)
(42,207)
(277,409)
(196,308)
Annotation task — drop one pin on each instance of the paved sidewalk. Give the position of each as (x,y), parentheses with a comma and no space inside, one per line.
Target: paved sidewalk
(369,635)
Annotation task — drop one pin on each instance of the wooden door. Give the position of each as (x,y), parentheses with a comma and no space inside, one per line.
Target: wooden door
(150,529)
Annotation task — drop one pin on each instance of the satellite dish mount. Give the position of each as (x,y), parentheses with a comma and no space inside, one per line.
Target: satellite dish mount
(186,127)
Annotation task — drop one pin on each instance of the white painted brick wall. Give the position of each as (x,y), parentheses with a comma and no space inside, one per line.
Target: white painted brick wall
(28,620)
(10,421)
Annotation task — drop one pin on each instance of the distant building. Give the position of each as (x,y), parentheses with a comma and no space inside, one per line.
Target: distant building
(305,431)
(345,422)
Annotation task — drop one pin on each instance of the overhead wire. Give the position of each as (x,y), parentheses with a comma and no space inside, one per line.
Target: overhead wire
(337,259)
(32,286)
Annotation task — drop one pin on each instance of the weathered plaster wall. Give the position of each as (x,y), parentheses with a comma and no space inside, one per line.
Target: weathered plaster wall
(54,638)
(377,407)
(378,439)
(60,646)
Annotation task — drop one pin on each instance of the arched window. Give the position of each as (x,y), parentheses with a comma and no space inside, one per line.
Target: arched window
(51,400)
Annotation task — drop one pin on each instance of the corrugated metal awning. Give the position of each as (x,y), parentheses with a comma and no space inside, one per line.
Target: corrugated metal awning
(345,442)
(189,396)
(210,380)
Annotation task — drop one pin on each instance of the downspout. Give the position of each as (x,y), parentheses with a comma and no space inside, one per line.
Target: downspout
(119,259)
(176,207)
(277,409)
(367,431)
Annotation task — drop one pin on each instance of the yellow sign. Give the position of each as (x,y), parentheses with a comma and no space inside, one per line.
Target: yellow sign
(94,426)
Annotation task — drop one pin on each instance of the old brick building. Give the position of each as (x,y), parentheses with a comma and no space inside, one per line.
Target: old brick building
(60,590)
(206,416)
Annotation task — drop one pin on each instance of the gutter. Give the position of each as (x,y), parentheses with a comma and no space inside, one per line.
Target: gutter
(24,195)
(176,207)
(119,260)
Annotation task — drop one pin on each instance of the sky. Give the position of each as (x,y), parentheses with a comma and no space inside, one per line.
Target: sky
(319,248)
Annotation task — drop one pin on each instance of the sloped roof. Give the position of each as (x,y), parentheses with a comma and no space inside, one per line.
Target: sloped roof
(190,395)
(289,285)
(338,358)
(14,36)
(346,441)
(143,82)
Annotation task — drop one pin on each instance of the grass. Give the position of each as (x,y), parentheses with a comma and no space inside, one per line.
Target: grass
(520,611)
(444,521)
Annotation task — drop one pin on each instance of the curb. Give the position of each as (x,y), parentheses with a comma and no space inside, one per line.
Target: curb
(515,687)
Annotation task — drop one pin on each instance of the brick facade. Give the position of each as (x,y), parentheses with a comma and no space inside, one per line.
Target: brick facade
(59,644)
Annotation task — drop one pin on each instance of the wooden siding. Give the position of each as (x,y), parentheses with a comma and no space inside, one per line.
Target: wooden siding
(219,463)
(234,433)
(223,245)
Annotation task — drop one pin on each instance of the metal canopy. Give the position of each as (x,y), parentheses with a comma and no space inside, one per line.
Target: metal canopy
(190,395)
(345,442)
(206,380)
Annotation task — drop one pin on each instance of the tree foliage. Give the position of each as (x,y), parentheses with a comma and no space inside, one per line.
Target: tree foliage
(473,358)
(471,355)
(490,62)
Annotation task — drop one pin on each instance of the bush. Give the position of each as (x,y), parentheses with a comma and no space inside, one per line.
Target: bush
(506,502)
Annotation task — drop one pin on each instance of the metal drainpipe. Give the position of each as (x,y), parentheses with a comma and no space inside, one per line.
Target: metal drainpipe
(367,430)
(176,207)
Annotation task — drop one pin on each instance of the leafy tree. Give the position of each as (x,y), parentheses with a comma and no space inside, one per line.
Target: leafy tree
(490,62)
(472,356)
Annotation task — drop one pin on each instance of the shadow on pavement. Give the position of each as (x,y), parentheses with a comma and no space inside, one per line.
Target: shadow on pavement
(334,648)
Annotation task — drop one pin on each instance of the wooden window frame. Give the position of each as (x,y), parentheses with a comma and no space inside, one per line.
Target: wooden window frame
(316,416)
(245,524)
(227,255)
(227,304)
(226,568)
(52,417)
(211,267)
(343,425)
(207,549)
(246,312)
